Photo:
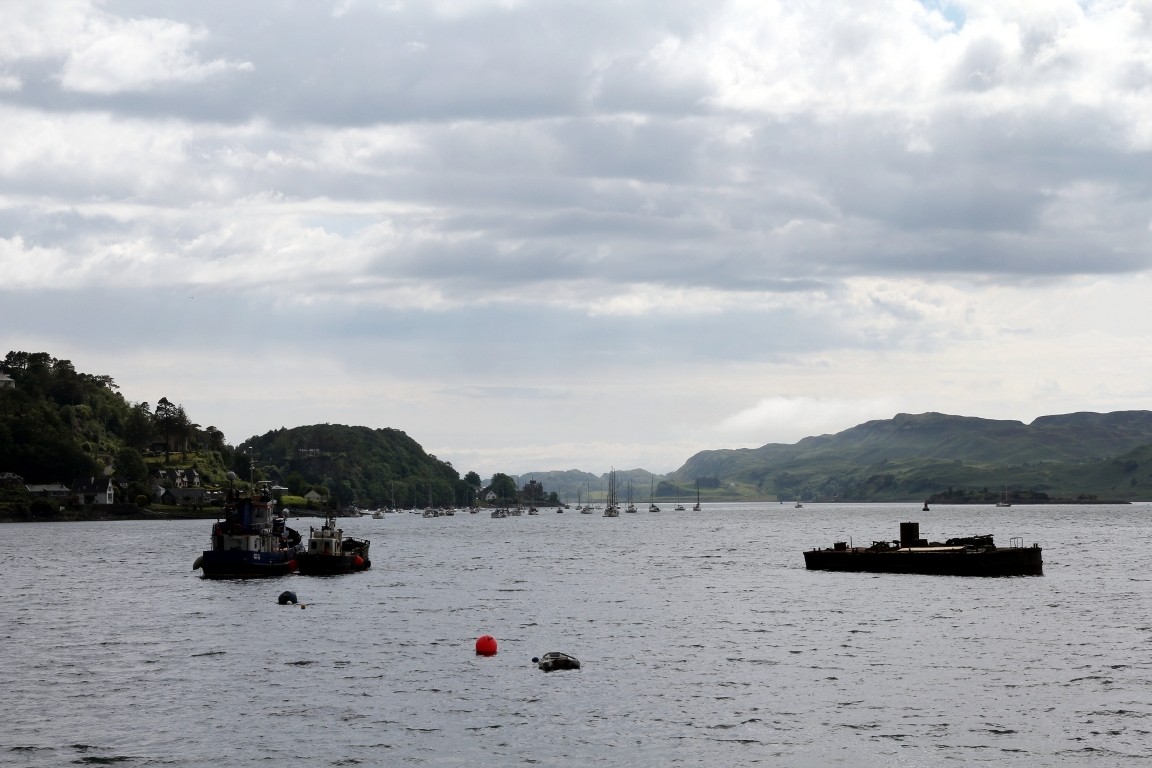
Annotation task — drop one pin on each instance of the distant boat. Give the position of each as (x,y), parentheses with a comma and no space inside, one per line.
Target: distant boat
(1004,498)
(697,507)
(799,505)
(651,500)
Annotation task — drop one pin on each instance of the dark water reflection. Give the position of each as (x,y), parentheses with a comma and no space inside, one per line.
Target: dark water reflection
(704,642)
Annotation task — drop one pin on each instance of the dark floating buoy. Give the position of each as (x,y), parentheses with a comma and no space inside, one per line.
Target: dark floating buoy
(925,507)
(554,660)
(287,597)
(197,563)
(486,645)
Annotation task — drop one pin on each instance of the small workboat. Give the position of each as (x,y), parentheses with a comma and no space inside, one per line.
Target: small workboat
(330,552)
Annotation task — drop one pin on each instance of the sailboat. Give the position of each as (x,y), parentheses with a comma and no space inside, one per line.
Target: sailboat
(1004,498)
(651,501)
(631,507)
(610,508)
(697,507)
(679,507)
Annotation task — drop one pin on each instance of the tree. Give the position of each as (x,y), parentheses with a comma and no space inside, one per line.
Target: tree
(215,438)
(130,465)
(472,479)
(138,428)
(503,486)
(168,418)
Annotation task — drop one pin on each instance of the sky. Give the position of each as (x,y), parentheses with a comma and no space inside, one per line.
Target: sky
(548,234)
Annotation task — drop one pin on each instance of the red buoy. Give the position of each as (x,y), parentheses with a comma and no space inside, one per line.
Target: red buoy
(358,561)
(486,645)
(291,565)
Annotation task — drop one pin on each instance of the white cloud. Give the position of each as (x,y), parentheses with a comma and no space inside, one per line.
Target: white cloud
(786,419)
(139,55)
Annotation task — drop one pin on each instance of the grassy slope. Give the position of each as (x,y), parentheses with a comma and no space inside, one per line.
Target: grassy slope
(912,457)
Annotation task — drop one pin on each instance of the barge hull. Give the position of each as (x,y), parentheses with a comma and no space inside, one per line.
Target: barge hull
(1009,561)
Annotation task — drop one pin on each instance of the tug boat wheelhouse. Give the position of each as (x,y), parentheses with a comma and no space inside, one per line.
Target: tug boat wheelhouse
(252,540)
(329,552)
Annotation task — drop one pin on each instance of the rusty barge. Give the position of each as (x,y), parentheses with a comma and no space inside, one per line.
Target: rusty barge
(969,556)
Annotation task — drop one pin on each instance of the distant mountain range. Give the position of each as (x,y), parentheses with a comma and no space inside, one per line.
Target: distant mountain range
(948,458)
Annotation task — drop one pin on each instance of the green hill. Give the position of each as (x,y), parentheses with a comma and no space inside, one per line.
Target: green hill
(912,457)
(356,466)
(58,424)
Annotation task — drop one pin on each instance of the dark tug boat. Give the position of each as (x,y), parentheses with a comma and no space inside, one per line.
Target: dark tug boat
(252,540)
(970,556)
(329,552)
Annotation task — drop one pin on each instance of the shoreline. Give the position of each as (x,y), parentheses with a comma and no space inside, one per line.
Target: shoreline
(121,513)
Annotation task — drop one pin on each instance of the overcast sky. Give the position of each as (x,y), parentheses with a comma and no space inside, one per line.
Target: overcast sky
(559,234)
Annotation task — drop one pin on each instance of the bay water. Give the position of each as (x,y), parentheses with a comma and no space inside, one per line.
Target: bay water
(703,640)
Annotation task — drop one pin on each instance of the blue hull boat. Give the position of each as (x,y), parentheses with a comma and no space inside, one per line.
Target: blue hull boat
(251,541)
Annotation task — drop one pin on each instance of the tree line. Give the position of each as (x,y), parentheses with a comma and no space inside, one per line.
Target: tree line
(57,424)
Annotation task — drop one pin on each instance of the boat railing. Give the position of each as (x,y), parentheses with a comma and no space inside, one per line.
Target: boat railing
(1016,542)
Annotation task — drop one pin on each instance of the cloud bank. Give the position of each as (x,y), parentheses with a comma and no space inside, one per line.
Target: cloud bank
(542,235)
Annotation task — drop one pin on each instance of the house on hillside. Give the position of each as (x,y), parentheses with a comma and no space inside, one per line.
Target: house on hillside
(178,478)
(6,381)
(93,490)
(49,490)
(184,496)
(312,495)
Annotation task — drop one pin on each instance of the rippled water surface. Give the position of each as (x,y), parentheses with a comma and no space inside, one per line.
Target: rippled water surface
(704,641)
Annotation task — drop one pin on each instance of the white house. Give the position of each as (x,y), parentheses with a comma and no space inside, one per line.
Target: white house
(93,490)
